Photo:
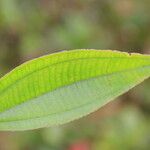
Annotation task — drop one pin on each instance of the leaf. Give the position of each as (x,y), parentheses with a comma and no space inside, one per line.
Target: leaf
(65,86)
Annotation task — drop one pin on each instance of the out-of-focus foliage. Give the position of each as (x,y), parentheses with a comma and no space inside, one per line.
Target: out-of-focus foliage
(33,28)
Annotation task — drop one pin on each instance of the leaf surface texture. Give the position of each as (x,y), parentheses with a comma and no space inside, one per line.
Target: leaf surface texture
(65,86)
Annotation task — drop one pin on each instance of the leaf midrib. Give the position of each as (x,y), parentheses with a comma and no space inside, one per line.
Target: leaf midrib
(138,68)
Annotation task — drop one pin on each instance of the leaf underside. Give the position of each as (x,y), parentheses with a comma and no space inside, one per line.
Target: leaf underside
(65,86)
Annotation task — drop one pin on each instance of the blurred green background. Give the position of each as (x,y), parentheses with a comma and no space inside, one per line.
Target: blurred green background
(33,28)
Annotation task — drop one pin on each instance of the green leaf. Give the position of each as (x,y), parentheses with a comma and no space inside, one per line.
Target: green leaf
(65,86)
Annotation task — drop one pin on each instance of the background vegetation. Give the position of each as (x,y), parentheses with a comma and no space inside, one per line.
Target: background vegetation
(33,28)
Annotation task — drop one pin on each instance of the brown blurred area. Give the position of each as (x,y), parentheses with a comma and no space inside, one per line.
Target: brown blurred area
(33,28)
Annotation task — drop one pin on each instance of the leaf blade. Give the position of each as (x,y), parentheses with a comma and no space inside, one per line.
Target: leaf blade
(87,69)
